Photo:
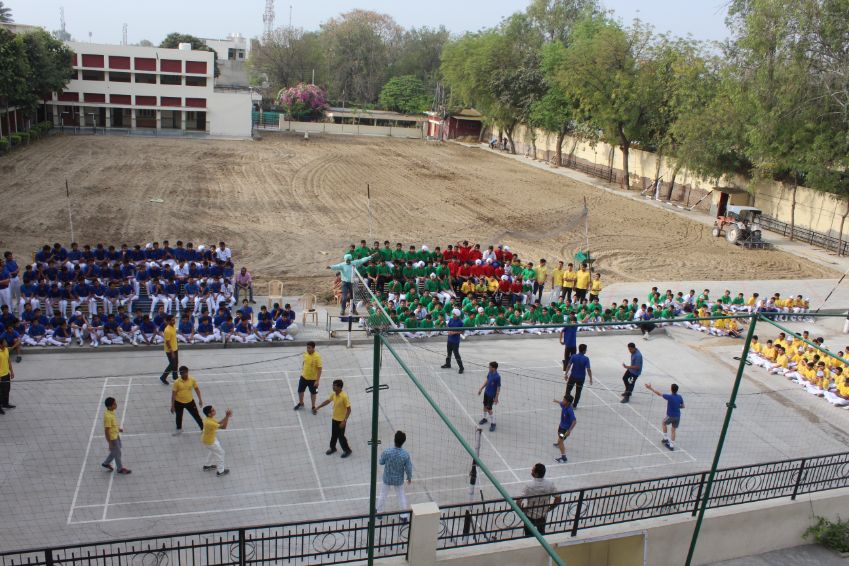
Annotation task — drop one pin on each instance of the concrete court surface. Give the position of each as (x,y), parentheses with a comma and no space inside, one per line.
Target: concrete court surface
(807,555)
(52,481)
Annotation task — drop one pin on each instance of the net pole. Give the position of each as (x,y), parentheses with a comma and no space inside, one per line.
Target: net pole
(375,400)
(720,443)
(70,216)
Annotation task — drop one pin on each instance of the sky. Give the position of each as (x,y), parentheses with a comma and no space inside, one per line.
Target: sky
(154,19)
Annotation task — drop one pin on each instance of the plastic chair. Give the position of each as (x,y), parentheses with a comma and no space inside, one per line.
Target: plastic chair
(275,292)
(308,305)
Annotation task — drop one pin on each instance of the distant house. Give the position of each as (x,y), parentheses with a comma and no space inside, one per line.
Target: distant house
(465,123)
(366,117)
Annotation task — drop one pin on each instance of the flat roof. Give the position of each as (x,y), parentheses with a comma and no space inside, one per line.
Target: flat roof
(374,114)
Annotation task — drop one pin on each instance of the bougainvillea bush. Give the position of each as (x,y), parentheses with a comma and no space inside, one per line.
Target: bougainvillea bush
(303,101)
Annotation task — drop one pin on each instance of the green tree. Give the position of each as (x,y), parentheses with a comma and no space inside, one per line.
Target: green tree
(14,72)
(404,94)
(5,14)
(173,41)
(49,64)
(418,54)
(288,57)
(555,19)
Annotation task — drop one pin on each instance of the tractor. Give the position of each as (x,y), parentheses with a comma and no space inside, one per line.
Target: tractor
(740,224)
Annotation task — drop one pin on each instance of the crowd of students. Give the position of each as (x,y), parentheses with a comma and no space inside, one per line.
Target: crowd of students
(820,373)
(88,295)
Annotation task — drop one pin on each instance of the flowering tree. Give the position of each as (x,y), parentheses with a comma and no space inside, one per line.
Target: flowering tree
(303,101)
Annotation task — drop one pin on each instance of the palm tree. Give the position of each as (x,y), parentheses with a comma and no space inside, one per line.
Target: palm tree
(5,14)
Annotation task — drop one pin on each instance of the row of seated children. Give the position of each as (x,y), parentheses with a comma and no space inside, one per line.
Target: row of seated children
(38,329)
(792,308)
(149,254)
(821,374)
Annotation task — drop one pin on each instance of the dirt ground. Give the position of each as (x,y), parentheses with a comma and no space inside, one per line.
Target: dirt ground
(288,207)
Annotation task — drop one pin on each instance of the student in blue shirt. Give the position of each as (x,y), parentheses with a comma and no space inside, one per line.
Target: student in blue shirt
(77,324)
(185,329)
(148,332)
(206,332)
(455,330)
(491,389)
(244,331)
(567,424)
(36,335)
(674,404)
(13,340)
(281,328)
(569,339)
(227,330)
(632,372)
(263,331)
(110,331)
(95,331)
(577,370)
(246,312)
(127,330)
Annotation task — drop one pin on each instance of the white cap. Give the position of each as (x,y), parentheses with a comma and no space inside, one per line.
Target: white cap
(425,248)
(433,275)
(489,260)
(507,248)
(504,278)
(148,245)
(480,309)
(477,262)
(78,313)
(421,264)
(456,312)
(201,248)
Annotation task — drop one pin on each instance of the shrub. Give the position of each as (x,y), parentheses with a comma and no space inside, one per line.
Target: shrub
(4,145)
(303,101)
(832,535)
(15,139)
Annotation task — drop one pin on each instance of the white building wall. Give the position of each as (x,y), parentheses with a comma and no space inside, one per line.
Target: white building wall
(230,114)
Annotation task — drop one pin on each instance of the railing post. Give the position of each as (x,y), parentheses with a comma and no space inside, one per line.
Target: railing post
(699,494)
(798,479)
(578,507)
(242,560)
(48,557)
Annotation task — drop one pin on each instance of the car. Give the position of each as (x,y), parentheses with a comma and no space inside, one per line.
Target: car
(740,224)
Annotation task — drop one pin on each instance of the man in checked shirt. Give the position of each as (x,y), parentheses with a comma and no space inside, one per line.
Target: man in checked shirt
(396,464)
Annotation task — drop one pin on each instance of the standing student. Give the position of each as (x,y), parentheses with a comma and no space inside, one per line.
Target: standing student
(674,404)
(632,372)
(582,282)
(112,430)
(569,340)
(182,399)
(491,389)
(170,338)
(7,374)
(567,424)
(396,464)
(346,268)
(339,422)
(576,373)
(215,453)
(310,376)
(454,340)
(536,498)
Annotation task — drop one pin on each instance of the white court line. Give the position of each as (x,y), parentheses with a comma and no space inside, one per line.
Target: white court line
(306,442)
(247,379)
(198,432)
(516,412)
(112,476)
(87,450)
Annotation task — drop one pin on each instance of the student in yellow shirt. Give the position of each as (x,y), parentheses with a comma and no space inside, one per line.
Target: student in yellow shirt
(556,283)
(467,288)
(170,336)
(182,398)
(310,376)
(541,275)
(339,422)
(112,430)
(7,374)
(569,278)
(595,286)
(781,361)
(215,453)
(582,282)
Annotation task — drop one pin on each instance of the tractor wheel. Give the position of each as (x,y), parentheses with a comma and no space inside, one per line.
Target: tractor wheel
(732,235)
(716,232)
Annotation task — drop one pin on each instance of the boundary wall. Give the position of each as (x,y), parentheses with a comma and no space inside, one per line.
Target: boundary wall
(349,129)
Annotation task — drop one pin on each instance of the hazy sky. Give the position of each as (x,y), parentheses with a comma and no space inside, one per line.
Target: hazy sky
(154,19)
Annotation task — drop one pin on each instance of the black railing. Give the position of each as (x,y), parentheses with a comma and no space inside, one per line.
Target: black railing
(331,541)
(492,521)
(803,234)
(603,172)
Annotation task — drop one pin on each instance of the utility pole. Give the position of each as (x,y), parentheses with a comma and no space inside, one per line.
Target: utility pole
(124,35)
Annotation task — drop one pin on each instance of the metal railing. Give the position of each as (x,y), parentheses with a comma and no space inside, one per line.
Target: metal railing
(603,172)
(493,521)
(806,235)
(331,541)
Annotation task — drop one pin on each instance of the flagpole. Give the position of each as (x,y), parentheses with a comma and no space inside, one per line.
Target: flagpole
(587,233)
(70,217)
(368,197)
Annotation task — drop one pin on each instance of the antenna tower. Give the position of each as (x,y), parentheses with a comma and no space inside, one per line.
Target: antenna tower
(62,19)
(268,18)
(124,35)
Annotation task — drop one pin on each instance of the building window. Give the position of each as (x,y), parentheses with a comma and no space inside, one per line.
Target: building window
(145,64)
(93,75)
(171,66)
(196,102)
(170,80)
(144,78)
(170,101)
(94,97)
(196,121)
(69,96)
(93,61)
(195,81)
(120,99)
(145,100)
(196,67)
(116,62)
(118,77)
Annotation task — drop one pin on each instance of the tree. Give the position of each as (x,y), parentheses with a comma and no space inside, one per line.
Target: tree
(555,19)
(601,70)
(288,57)
(418,54)
(173,41)
(145,43)
(303,101)
(404,94)
(5,14)
(49,63)
(359,47)
(14,71)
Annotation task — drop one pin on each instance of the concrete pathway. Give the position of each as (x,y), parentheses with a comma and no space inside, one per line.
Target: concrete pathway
(808,555)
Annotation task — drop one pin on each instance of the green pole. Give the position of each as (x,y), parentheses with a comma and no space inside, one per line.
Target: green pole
(375,399)
(553,556)
(730,409)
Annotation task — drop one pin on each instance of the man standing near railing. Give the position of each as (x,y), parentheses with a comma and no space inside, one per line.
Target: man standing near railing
(536,498)
(346,268)
(396,464)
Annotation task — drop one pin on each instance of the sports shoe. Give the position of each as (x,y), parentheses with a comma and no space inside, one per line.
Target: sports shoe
(7,406)
(492,427)
(209,468)
(624,400)
(107,467)
(164,380)
(124,471)
(665,441)
(445,366)
(483,421)
(346,454)
(177,432)
(299,406)
(223,472)
(562,459)
(17,359)
(460,370)
(287,337)
(646,337)
(330,451)
(671,447)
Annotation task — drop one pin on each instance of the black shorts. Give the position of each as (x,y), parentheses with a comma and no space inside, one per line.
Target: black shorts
(304,384)
(561,432)
(672,421)
(487,402)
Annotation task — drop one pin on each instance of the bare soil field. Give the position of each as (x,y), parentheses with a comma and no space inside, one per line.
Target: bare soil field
(289,207)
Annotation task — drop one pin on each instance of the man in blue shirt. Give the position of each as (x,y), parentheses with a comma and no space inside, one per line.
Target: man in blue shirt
(454,340)
(674,404)
(632,372)
(577,370)
(569,339)
(567,424)
(396,464)
(491,388)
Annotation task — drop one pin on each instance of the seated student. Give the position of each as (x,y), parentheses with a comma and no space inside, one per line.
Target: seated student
(127,295)
(819,381)
(94,328)
(244,330)
(467,289)
(36,334)
(263,329)
(111,333)
(185,329)
(206,332)
(839,394)
(126,329)
(226,330)
(61,336)
(246,312)
(148,332)
(781,364)
(799,307)
(13,340)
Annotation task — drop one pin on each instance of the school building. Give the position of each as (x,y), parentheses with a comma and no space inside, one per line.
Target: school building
(149,89)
